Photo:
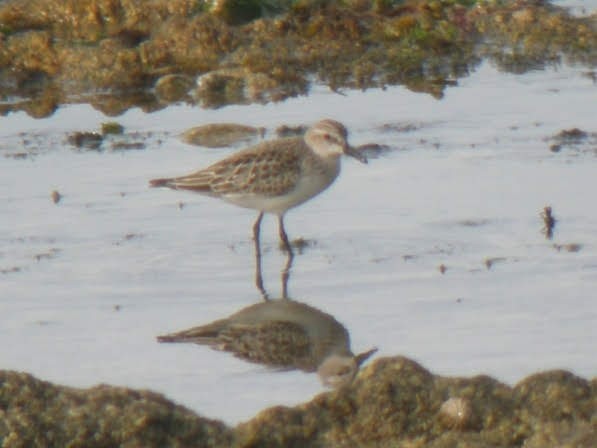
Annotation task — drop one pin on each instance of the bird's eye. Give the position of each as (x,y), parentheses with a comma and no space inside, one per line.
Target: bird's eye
(327,137)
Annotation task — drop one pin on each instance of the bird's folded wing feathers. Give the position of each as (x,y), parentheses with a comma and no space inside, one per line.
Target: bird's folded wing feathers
(263,169)
(273,343)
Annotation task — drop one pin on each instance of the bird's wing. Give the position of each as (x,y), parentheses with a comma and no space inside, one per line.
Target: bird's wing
(273,343)
(265,169)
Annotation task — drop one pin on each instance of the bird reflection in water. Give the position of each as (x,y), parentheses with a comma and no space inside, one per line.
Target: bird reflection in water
(283,334)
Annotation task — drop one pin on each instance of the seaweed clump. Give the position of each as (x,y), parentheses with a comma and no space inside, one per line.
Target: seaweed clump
(148,53)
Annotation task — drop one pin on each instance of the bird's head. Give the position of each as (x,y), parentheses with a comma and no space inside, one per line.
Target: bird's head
(330,138)
(337,371)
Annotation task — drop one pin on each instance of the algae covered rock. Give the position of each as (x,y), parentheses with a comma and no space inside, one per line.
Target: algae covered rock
(392,402)
(218,135)
(264,50)
(396,402)
(556,395)
(173,87)
(35,413)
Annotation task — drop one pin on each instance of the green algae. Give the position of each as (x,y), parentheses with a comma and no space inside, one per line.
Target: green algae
(112,127)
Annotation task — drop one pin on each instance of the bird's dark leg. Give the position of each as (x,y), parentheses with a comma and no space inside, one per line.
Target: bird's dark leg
(290,253)
(258,276)
(286,275)
(284,236)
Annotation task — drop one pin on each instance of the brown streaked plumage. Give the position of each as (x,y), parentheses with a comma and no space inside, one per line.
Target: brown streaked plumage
(268,169)
(283,334)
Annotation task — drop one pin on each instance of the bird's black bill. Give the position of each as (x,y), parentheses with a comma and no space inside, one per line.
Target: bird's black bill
(362,357)
(352,152)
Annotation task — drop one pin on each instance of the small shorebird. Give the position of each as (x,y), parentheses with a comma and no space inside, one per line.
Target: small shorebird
(282,334)
(275,175)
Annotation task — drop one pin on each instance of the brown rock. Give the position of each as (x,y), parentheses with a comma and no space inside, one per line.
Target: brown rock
(217,135)
(38,414)
(173,87)
(392,402)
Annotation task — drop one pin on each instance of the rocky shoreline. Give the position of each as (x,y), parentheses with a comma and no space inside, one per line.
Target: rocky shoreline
(392,402)
(117,54)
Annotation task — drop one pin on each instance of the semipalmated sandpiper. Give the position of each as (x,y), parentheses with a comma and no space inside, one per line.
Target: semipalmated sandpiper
(275,175)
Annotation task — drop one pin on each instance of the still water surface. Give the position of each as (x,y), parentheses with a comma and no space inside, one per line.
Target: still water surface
(88,283)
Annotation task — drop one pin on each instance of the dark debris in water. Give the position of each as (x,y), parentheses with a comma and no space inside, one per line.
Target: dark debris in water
(372,150)
(300,244)
(127,146)
(55,196)
(112,137)
(86,140)
(52,253)
(549,222)
(491,261)
(129,237)
(401,127)
(20,155)
(570,247)
(573,138)
(260,51)
(474,222)
(592,75)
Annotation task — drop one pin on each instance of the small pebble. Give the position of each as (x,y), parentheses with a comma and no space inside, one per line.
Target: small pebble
(56,196)
(456,413)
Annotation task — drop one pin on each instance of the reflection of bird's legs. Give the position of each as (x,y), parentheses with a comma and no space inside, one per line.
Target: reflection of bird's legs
(286,270)
(284,237)
(258,276)
(286,275)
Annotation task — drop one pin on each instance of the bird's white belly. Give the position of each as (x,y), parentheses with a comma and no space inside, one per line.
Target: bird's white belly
(306,188)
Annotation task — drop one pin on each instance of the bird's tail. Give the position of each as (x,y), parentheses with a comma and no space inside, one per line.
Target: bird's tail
(165,182)
(205,334)
(191,182)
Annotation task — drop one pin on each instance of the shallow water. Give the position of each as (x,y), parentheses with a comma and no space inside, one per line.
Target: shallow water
(578,7)
(88,283)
